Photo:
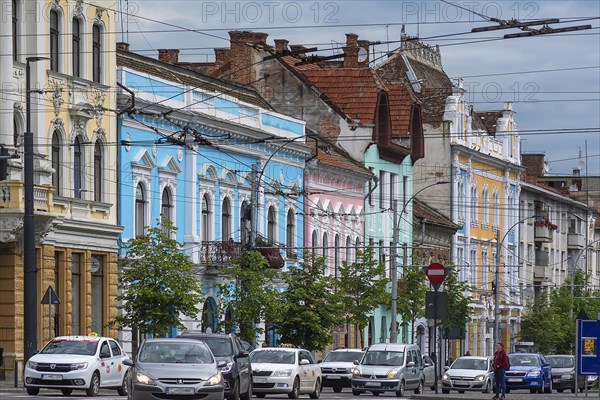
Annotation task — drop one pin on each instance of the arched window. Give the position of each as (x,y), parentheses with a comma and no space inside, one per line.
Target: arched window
(485,208)
(314,243)
(206,218)
(140,211)
(15,132)
(245,218)
(76,45)
(54,35)
(356,248)
(15,30)
(290,229)
(474,208)
(325,246)
(348,249)
(56,163)
(209,311)
(166,205)
(96,53)
(225,220)
(271,225)
(461,201)
(337,255)
(98,176)
(77,169)
(495,210)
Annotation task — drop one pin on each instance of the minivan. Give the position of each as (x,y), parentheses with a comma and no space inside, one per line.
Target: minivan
(389,367)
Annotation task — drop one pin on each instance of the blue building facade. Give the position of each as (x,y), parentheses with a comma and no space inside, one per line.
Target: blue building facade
(191,147)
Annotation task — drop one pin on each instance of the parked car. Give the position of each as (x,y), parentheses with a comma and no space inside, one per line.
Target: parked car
(237,373)
(529,371)
(429,372)
(563,373)
(389,367)
(591,380)
(469,373)
(337,368)
(175,369)
(72,363)
(290,371)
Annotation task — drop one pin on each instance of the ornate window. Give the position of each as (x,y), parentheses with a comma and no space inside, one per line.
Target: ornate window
(245,217)
(290,230)
(474,204)
(56,162)
(76,45)
(337,255)
(98,175)
(206,215)
(314,243)
(271,225)
(96,53)
(495,210)
(166,206)
(348,249)
(140,211)
(77,169)
(485,208)
(325,246)
(54,40)
(225,220)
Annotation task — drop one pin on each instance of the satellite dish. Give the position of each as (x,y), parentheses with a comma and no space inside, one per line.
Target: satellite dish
(580,165)
(546,168)
(362,55)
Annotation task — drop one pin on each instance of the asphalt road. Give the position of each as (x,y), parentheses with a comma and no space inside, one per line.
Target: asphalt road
(327,394)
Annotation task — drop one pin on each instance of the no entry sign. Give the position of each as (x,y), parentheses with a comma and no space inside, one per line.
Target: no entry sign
(436,273)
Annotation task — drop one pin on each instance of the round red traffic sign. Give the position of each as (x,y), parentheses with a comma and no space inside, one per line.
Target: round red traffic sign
(436,272)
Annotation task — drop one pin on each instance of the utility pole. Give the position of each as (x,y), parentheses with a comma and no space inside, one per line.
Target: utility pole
(253,207)
(394,277)
(496,289)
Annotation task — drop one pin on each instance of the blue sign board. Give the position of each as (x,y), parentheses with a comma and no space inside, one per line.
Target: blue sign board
(588,347)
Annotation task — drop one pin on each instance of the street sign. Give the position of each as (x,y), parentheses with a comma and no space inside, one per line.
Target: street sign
(436,305)
(50,297)
(436,273)
(588,347)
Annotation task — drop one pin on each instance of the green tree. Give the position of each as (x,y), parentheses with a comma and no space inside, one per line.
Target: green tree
(458,302)
(538,325)
(247,294)
(310,306)
(411,295)
(158,283)
(363,286)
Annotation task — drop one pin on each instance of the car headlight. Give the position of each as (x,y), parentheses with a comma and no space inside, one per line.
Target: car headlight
(568,376)
(534,373)
(77,366)
(228,367)
(216,379)
(32,364)
(480,378)
(445,377)
(282,372)
(144,379)
(393,374)
(355,372)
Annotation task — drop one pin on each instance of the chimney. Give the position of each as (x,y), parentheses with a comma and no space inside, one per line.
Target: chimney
(365,44)
(281,45)
(170,56)
(244,52)
(123,46)
(351,51)
(297,47)
(534,164)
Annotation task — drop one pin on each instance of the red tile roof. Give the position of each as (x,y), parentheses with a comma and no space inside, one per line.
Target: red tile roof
(429,214)
(401,102)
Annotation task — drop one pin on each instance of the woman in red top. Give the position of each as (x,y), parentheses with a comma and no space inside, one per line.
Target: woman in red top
(501,364)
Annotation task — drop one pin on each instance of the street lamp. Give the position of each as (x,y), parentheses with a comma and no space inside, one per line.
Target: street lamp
(394,271)
(497,275)
(29,281)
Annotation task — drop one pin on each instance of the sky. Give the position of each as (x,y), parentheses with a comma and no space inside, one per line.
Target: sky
(553,80)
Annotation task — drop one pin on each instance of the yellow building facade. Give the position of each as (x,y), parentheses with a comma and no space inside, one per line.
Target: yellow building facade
(75,187)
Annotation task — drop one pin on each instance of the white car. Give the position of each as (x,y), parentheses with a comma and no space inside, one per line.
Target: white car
(288,371)
(78,363)
(469,373)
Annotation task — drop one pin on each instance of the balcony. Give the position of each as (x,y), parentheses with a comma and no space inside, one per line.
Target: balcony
(543,233)
(541,258)
(539,273)
(575,241)
(219,254)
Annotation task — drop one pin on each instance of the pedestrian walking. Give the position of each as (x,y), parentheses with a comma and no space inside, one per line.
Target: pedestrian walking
(501,364)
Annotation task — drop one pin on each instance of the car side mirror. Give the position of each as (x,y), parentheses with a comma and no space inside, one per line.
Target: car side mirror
(446,368)
(221,364)
(304,362)
(355,362)
(319,361)
(242,354)
(128,362)
(411,364)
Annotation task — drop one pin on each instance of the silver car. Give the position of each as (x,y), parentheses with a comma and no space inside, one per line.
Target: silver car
(175,369)
(337,368)
(469,373)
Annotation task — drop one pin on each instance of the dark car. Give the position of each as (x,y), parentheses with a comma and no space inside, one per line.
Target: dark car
(237,374)
(563,373)
(529,371)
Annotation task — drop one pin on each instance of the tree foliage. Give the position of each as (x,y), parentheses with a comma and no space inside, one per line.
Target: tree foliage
(157,281)
(247,294)
(363,286)
(309,307)
(458,300)
(411,295)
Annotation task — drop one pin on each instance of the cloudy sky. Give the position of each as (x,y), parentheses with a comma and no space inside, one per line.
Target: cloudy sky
(553,80)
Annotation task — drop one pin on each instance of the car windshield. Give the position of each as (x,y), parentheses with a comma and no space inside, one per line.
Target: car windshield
(389,358)
(219,346)
(343,356)
(80,347)
(175,353)
(273,356)
(523,360)
(560,362)
(470,363)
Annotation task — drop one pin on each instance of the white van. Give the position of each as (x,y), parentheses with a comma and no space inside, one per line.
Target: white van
(389,367)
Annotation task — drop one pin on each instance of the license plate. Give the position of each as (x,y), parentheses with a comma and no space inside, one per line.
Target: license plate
(460,383)
(259,380)
(556,380)
(514,379)
(372,384)
(180,390)
(333,377)
(51,377)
